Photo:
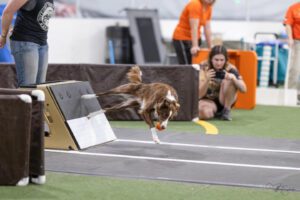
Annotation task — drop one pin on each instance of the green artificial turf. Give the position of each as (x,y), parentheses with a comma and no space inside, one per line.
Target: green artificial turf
(77,187)
(263,121)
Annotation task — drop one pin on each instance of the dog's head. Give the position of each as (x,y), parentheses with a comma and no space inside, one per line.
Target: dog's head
(166,109)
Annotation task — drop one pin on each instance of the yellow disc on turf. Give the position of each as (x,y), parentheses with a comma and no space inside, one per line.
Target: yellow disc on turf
(209,128)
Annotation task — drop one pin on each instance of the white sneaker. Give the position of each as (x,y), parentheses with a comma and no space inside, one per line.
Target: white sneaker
(23,182)
(40,180)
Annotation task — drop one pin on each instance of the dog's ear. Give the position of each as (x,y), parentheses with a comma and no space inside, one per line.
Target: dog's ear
(177,105)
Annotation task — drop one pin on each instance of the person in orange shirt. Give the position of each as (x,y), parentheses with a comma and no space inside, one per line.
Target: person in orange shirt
(187,34)
(292,24)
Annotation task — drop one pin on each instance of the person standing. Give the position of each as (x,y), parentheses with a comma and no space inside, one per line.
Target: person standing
(187,34)
(292,25)
(28,40)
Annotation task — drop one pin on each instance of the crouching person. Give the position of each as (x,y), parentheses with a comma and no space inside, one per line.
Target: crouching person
(218,85)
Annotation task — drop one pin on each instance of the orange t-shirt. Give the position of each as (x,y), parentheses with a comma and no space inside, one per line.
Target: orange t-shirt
(292,18)
(193,10)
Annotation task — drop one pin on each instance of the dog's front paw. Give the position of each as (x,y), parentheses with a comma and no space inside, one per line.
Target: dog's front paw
(154,135)
(156,140)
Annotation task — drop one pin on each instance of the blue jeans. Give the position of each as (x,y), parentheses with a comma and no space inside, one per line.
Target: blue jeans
(31,62)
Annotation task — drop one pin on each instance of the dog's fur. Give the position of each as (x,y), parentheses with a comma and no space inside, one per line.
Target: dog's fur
(157,99)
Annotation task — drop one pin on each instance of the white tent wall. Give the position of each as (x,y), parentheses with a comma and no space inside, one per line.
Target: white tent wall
(253,10)
(78,40)
(83,40)
(266,10)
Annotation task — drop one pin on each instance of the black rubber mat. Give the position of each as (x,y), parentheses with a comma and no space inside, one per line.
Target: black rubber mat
(188,157)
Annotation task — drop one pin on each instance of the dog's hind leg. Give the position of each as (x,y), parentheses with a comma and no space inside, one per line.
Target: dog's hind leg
(93,114)
(122,89)
(130,103)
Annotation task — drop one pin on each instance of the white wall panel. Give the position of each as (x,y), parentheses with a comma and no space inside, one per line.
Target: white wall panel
(83,40)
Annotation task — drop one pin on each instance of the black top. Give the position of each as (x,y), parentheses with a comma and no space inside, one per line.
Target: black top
(32,21)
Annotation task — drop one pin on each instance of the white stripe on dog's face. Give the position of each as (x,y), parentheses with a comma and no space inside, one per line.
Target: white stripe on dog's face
(165,123)
(155,114)
(170,97)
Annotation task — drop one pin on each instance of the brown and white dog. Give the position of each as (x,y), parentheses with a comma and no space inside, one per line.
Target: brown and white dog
(153,99)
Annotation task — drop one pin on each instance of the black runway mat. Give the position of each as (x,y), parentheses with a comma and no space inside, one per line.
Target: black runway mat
(188,157)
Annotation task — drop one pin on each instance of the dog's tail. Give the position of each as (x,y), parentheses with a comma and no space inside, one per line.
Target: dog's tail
(135,74)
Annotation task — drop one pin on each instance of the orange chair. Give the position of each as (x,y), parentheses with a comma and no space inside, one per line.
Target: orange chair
(246,62)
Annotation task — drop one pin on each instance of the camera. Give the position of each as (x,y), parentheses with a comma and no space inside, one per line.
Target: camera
(220,74)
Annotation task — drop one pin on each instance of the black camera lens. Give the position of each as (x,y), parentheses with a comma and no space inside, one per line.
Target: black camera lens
(220,74)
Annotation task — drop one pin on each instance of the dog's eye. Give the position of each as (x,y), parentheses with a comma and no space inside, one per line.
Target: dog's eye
(167,114)
(164,107)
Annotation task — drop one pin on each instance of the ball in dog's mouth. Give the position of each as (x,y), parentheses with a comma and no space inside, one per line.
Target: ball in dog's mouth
(158,127)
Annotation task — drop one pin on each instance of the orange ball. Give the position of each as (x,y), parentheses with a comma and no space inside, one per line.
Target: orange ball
(158,127)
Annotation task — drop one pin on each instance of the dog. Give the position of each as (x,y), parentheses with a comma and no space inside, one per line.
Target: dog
(157,100)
